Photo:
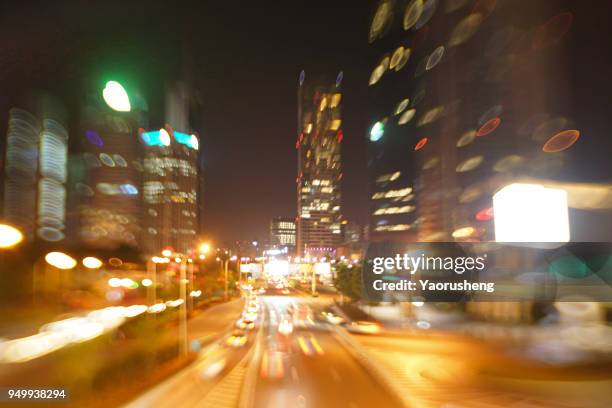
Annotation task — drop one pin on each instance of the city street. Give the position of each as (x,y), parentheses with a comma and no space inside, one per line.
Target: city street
(308,367)
(295,358)
(319,204)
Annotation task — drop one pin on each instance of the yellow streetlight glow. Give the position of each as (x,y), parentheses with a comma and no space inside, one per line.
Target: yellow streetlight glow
(204,248)
(60,260)
(92,262)
(9,236)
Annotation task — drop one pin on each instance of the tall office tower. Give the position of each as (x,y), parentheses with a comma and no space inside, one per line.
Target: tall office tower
(107,176)
(465,98)
(283,233)
(171,185)
(35,168)
(480,95)
(172,181)
(319,172)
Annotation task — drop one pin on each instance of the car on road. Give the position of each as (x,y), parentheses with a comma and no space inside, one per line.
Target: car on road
(332,318)
(285,327)
(363,326)
(237,339)
(245,324)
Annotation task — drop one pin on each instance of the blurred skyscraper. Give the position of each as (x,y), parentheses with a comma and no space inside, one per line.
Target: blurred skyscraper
(107,175)
(36,171)
(452,119)
(283,233)
(171,179)
(319,168)
(466,98)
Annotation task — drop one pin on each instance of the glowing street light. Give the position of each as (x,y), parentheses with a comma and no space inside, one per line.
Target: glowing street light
(204,248)
(116,97)
(146,282)
(167,253)
(9,236)
(60,260)
(91,262)
(128,283)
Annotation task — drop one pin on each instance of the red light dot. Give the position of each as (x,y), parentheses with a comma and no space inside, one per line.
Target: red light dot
(488,127)
(486,214)
(421,144)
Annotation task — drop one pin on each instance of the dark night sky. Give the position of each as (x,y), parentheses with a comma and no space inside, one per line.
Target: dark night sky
(243,58)
(249,94)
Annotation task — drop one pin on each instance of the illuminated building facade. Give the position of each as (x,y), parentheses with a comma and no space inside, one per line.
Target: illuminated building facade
(107,176)
(472,96)
(170,190)
(353,242)
(319,171)
(452,119)
(283,233)
(35,176)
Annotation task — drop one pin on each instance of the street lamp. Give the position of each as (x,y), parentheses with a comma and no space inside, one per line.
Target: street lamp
(9,236)
(60,260)
(91,262)
(116,97)
(204,248)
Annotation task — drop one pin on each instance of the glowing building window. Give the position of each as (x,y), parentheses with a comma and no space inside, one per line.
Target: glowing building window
(128,189)
(388,177)
(107,160)
(335,100)
(190,141)
(156,138)
(119,160)
(395,210)
(94,138)
(392,193)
